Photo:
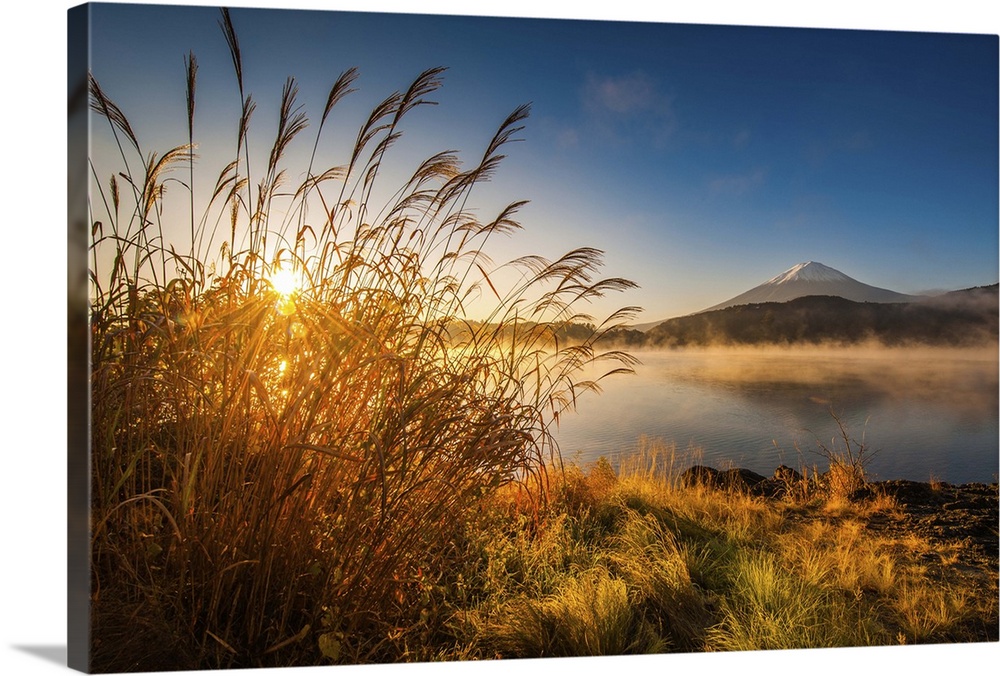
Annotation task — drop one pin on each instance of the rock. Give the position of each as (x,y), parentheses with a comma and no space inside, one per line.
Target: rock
(786,474)
(737,478)
(740,479)
(770,488)
(700,475)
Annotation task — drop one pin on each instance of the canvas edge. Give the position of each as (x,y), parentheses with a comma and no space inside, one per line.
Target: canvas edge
(78,401)
(78,381)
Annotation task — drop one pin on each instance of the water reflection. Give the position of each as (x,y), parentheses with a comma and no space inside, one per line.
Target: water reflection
(927,412)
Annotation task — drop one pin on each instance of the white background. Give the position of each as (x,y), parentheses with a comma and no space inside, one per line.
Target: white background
(33,397)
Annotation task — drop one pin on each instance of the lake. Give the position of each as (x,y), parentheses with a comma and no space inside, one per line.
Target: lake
(923,412)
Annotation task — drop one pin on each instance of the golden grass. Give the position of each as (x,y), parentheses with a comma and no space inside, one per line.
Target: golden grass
(704,570)
(275,468)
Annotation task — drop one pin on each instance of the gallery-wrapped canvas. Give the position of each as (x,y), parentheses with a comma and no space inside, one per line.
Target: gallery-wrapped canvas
(404,338)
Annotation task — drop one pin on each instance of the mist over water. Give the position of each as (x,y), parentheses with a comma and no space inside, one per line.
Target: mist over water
(927,412)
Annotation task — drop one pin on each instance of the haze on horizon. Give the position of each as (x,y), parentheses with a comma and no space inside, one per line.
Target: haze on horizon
(702,159)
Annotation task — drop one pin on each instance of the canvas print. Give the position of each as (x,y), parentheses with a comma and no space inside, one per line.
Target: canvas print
(411,338)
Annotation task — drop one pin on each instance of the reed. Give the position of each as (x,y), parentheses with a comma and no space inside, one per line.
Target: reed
(291,411)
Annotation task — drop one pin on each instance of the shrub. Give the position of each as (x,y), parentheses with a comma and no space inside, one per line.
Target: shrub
(848,464)
(290,418)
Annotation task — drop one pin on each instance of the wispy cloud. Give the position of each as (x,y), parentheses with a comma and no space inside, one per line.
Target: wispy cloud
(568,138)
(629,108)
(738,184)
(820,149)
(624,94)
(808,212)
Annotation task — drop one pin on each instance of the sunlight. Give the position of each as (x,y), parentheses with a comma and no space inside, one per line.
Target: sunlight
(285,282)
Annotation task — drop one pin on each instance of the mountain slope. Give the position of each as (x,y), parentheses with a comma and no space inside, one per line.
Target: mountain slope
(813,279)
(963,318)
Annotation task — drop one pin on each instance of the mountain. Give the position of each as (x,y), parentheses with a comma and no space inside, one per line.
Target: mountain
(647,326)
(960,318)
(813,279)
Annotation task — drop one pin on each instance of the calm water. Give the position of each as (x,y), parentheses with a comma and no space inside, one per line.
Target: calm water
(928,413)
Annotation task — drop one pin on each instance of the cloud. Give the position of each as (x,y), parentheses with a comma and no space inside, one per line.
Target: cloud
(741,138)
(857,142)
(627,94)
(738,184)
(568,138)
(625,107)
(853,143)
(807,212)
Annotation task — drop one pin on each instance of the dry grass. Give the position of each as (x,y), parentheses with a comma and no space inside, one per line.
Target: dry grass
(275,467)
(703,569)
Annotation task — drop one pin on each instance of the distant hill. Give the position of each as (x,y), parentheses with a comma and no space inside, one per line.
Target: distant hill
(965,317)
(646,326)
(983,298)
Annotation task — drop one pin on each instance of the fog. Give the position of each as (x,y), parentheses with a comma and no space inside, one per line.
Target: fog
(957,378)
(927,411)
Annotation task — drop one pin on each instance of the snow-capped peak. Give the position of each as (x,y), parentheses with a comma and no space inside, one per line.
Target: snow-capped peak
(810,271)
(813,279)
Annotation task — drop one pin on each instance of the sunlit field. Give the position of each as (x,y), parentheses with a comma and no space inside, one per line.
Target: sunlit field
(290,413)
(305,452)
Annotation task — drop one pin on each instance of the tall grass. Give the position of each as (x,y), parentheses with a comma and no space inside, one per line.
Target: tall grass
(274,469)
(772,607)
(590,614)
(639,561)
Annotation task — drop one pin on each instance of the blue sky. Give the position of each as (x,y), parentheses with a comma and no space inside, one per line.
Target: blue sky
(702,159)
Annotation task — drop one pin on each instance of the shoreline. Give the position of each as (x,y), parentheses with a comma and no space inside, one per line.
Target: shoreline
(942,512)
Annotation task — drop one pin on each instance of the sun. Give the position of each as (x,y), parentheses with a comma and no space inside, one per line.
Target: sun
(285,282)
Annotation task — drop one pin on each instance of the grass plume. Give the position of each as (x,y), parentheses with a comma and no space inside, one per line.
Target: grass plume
(275,468)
